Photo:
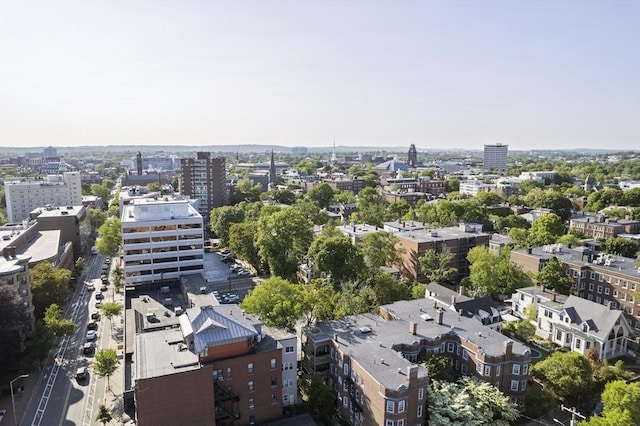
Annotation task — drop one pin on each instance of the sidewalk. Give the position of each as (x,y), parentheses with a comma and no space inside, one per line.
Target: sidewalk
(21,398)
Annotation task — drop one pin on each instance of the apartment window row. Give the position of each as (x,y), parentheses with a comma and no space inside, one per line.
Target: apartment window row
(391,406)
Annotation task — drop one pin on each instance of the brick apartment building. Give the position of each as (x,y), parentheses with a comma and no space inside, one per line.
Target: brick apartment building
(205,179)
(72,221)
(608,280)
(370,361)
(600,227)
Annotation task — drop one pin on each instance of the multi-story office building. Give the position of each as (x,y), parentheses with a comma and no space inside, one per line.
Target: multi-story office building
(204,178)
(162,239)
(370,361)
(457,240)
(23,196)
(72,221)
(605,279)
(495,157)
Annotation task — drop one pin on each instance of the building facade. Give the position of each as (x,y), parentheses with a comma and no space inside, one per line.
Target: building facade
(205,179)
(72,221)
(495,157)
(600,227)
(162,239)
(23,196)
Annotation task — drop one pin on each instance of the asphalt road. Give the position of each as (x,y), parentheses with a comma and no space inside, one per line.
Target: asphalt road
(59,399)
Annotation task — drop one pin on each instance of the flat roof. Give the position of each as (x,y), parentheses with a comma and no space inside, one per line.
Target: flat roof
(439,234)
(162,352)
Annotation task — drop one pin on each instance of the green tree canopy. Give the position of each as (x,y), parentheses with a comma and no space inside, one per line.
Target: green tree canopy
(469,402)
(621,246)
(221,219)
(437,266)
(321,194)
(105,364)
(488,198)
(550,199)
(506,223)
(13,321)
(318,395)
(545,230)
(276,301)
(110,310)
(440,367)
(49,285)
(284,196)
(337,256)
(379,249)
(493,274)
(388,289)
(553,276)
(318,301)
(397,210)
(371,207)
(598,200)
(242,242)
(55,324)
(621,405)
(246,190)
(568,374)
(154,187)
(104,415)
(109,237)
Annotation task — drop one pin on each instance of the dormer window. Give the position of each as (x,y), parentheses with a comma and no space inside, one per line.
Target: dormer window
(567,320)
(585,327)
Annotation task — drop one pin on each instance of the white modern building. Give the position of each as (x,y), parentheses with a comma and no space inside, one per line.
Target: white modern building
(162,239)
(495,157)
(25,195)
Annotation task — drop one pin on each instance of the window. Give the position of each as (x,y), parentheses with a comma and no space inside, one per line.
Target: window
(465,354)
(273,363)
(515,370)
(400,422)
(401,406)
(624,284)
(289,349)
(419,413)
(458,350)
(250,386)
(250,368)
(587,345)
(420,393)
(599,291)
(514,385)
(274,381)
(345,386)
(525,369)
(498,370)
(252,404)
(217,375)
(463,369)
(346,370)
(598,299)
(391,406)
(487,370)
(578,343)
(274,398)
(450,347)
(389,423)
(345,401)
(591,286)
(600,277)
(228,372)
(623,296)
(606,291)
(593,275)
(523,385)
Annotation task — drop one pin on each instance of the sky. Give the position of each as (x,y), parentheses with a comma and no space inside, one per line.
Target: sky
(437,74)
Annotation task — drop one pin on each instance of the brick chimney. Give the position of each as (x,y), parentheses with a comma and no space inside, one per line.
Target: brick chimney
(440,316)
(508,348)
(412,372)
(413,328)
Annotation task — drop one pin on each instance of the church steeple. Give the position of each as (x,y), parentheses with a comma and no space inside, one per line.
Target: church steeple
(412,157)
(272,169)
(334,158)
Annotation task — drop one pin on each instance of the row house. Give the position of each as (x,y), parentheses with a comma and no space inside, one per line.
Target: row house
(600,227)
(573,323)
(604,279)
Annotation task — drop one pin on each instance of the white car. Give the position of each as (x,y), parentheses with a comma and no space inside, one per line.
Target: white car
(244,272)
(91,335)
(90,286)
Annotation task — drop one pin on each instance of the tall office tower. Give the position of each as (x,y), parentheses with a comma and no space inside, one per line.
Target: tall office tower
(24,195)
(205,179)
(495,157)
(412,157)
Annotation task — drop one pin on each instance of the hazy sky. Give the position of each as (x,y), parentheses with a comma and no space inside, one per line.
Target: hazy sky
(452,74)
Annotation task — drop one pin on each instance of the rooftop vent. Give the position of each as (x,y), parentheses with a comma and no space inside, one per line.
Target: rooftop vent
(365,329)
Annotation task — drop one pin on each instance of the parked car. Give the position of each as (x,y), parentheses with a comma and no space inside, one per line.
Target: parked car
(88,348)
(230,298)
(82,373)
(103,288)
(91,335)
(92,325)
(98,304)
(107,261)
(95,315)
(244,272)
(225,251)
(99,295)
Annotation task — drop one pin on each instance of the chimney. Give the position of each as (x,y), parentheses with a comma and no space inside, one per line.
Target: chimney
(440,313)
(610,305)
(508,347)
(412,372)
(5,252)
(529,250)
(553,296)
(569,245)
(335,337)
(461,290)
(12,251)
(453,300)
(413,328)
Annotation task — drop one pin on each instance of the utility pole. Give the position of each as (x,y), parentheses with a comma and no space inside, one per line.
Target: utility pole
(574,414)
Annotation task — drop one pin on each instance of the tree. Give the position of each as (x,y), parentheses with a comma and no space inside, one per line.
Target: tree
(105,364)
(493,274)
(346,197)
(552,200)
(631,198)
(437,266)
(242,242)
(545,230)
(49,285)
(553,276)
(318,299)
(397,210)
(568,374)
(337,256)
(104,415)
(55,324)
(154,187)
(388,289)
(318,396)
(221,219)
(520,236)
(371,207)
(522,329)
(276,301)
(531,312)
(440,367)
(96,219)
(354,299)
(109,237)
(282,239)
(284,196)
(570,239)
(13,324)
(469,402)
(621,405)
(100,191)
(621,246)
(321,194)
(598,200)
(488,198)
(379,249)
(506,223)
(110,310)
(117,275)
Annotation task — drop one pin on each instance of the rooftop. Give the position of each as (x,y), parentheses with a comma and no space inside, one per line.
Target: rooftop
(442,234)
(162,352)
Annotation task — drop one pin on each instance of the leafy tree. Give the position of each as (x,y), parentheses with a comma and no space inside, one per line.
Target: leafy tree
(105,364)
(346,197)
(469,402)
(371,207)
(631,198)
(520,236)
(621,405)
(154,187)
(246,190)
(309,166)
(503,224)
(388,289)
(96,218)
(354,299)
(550,199)
(104,415)
(221,218)
(13,323)
(568,374)
(553,276)
(493,274)
(488,198)
(284,196)
(311,211)
(49,285)
(440,367)
(337,256)
(117,277)
(545,230)
(621,246)
(318,396)
(318,299)
(100,191)
(55,324)
(242,238)
(110,310)
(449,213)
(397,210)
(321,194)
(451,185)
(418,290)
(282,239)
(437,266)
(531,312)
(276,301)
(598,200)
(522,329)
(379,249)
(110,237)
(570,239)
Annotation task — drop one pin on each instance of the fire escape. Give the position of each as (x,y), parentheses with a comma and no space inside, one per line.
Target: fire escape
(226,404)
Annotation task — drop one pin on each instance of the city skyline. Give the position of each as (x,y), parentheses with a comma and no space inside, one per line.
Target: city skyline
(440,75)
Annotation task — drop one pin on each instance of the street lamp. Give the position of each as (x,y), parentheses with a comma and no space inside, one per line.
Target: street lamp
(13,401)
